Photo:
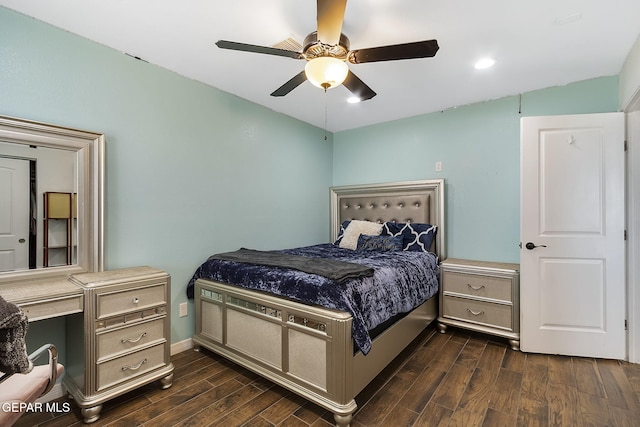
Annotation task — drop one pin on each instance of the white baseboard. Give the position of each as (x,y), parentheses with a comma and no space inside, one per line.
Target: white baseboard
(181,346)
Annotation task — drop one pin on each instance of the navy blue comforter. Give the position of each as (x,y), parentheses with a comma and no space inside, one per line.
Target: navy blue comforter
(402,280)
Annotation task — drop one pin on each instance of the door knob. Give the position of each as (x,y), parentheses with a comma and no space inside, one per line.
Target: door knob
(531,245)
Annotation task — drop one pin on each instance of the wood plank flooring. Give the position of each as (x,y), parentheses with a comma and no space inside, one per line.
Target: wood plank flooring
(454,379)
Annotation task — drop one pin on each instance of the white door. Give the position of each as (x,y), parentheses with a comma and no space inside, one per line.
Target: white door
(572,261)
(14,214)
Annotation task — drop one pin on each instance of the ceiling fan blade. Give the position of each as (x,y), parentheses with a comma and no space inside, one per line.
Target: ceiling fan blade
(423,49)
(225,44)
(358,87)
(296,81)
(330,18)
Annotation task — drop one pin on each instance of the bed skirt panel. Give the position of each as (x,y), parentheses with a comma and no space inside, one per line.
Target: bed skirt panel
(391,342)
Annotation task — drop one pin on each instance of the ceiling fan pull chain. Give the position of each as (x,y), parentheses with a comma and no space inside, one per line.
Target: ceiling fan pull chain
(325,86)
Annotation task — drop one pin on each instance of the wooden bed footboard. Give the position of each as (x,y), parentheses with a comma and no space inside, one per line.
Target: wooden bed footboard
(306,349)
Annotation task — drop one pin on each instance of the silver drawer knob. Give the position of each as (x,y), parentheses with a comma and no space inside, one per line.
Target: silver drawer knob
(135,300)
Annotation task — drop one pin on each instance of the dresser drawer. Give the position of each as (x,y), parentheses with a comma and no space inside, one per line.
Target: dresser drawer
(123,368)
(481,312)
(129,338)
(113,303)
(499,288)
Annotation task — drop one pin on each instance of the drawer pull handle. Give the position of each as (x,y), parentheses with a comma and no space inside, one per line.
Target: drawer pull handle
(475,313)
(135,367)
(475,288)
(126,340)
(135,300)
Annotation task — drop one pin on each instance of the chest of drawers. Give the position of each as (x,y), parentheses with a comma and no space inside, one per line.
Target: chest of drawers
(481,296)
(121,340)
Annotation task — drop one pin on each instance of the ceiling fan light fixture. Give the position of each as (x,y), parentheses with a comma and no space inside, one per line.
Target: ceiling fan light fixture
(326,72)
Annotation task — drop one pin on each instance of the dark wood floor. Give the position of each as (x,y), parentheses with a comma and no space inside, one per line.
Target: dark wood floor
(455,379)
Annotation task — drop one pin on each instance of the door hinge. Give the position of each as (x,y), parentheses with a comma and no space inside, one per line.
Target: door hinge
(626,146)
(626,325)
(625,234)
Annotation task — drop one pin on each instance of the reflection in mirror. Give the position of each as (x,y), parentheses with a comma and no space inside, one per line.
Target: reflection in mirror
(38,221)
(51,200)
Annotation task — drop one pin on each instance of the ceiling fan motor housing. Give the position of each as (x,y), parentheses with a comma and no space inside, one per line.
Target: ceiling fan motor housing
(314,48)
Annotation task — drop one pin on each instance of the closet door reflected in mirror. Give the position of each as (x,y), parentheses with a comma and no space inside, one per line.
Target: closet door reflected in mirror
(15,220)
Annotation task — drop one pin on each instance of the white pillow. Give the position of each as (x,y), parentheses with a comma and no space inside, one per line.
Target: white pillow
(355,229)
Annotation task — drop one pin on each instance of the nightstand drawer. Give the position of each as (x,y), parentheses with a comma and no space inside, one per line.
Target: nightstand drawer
(123,368)
(486,313)
(109,304)
(129,338)
(499,288)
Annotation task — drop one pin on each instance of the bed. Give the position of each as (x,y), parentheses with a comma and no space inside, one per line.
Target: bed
(315,351)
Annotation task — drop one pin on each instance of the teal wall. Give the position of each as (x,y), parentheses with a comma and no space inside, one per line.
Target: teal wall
(191,170)
(479,147)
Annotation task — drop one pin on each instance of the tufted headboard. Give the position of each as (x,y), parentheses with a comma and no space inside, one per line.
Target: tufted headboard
(410,201)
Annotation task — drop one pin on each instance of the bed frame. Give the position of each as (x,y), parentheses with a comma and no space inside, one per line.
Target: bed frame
(308,349)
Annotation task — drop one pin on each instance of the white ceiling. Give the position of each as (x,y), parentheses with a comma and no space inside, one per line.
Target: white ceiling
(536,44)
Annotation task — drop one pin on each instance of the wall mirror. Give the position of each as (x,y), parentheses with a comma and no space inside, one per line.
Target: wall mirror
(51,200)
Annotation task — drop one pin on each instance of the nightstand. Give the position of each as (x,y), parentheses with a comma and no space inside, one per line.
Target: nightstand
(481,296)
(121,340)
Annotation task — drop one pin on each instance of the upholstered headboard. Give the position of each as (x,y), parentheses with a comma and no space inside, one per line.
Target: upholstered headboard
(411,201)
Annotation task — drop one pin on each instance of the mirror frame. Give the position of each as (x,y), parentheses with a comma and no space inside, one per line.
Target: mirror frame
(89,147)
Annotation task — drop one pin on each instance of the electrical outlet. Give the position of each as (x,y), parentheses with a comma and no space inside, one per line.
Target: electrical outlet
(183,310)
(438,166)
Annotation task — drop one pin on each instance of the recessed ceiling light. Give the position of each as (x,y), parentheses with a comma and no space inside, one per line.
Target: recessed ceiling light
(484,63)
(353,100)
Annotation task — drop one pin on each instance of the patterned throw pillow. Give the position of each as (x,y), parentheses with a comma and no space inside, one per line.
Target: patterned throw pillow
(343,227)
(379,243)
(415,236)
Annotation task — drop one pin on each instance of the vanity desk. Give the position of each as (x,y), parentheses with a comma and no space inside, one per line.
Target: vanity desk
(117,330)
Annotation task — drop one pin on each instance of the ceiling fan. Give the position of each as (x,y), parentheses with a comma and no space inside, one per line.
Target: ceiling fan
(327,53)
